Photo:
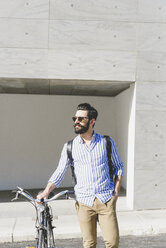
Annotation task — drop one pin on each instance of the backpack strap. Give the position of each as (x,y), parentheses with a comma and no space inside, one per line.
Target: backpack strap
(109,152)
(69,153)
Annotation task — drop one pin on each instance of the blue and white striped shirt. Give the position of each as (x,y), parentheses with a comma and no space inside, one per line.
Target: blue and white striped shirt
(91,169)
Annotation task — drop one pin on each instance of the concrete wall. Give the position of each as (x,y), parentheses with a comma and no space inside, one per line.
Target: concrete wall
(150,156)
(124,120)
(150,139)
(118,40)
(67,39)
(33,131)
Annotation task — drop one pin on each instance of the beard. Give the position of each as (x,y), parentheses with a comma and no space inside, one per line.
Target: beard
(79,129)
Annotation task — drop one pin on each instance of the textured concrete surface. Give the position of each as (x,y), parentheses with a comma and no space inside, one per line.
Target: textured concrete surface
(17,221)
(157,241)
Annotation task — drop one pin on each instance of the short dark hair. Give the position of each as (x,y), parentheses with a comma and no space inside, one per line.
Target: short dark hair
(92,112)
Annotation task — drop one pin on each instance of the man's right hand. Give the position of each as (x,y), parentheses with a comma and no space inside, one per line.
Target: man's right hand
(44,195)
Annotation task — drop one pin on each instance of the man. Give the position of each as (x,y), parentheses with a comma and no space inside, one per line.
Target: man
(96,194)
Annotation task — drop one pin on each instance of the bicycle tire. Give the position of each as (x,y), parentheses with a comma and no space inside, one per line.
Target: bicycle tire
(42,240)
(50,235)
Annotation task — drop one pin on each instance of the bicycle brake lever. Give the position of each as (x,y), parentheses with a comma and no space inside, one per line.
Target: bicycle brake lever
(67,196)
(14,199)
(17,195)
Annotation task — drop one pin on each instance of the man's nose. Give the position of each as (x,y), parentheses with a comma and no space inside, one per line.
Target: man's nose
(76,121)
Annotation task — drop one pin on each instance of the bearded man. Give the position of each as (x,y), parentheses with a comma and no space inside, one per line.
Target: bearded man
(95,191)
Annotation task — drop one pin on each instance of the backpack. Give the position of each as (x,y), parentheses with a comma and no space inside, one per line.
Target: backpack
(109,151)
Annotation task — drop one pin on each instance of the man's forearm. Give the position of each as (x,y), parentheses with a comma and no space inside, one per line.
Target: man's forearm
(48,189)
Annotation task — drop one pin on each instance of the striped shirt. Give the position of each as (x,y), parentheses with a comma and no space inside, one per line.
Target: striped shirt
(91,169)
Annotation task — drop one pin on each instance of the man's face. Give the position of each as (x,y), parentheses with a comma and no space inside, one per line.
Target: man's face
(81,122)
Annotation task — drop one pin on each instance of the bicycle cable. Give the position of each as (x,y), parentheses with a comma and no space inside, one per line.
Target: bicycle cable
(34,204)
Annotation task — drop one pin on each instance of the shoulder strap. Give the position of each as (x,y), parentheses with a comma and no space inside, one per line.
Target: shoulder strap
(69,150)
(69,153)
(109,152)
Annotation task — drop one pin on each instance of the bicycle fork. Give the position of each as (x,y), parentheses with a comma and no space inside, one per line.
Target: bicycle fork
(45,236)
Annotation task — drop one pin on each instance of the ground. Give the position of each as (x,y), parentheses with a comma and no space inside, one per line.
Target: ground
(156,241)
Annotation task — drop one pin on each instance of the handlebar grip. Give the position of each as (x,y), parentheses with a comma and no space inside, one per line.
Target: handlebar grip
(70,192)
(42,200)
(14,191)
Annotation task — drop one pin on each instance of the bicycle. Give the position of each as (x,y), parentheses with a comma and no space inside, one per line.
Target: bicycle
(44,228)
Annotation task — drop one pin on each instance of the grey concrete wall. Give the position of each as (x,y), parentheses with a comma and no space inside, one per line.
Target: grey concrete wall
(124,120)
(150,139)
(150,146)
(67,40)
(33,131)
(118,40)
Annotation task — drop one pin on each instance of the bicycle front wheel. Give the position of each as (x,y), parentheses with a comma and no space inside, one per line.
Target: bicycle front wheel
(42,239)
(50,236)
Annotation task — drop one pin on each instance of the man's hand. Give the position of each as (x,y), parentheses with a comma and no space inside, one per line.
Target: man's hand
(118,182)
(44,195)
(116,196)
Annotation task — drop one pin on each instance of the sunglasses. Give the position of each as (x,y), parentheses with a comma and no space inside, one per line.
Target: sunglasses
(80,119)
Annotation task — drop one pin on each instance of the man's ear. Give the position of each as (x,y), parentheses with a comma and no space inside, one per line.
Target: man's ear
(92,122)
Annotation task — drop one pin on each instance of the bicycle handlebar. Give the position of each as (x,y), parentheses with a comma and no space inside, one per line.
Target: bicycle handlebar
(20,191)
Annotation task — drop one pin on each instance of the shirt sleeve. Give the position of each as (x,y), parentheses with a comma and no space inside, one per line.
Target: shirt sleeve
(63,165)
(116,161)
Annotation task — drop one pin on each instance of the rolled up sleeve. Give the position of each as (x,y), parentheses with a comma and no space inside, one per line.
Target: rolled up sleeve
(63,165)
(116,161)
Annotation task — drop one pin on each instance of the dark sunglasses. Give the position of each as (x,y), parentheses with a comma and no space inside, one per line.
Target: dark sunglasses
(79,118)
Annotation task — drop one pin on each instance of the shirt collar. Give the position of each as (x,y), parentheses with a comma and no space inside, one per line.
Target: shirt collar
(94,138)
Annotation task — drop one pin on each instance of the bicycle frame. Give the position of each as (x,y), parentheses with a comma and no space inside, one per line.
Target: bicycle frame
(44,227)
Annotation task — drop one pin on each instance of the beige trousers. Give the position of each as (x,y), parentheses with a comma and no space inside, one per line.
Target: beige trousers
(106,214)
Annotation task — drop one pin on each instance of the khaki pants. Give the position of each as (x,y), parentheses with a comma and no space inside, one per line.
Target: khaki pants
(106,214)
